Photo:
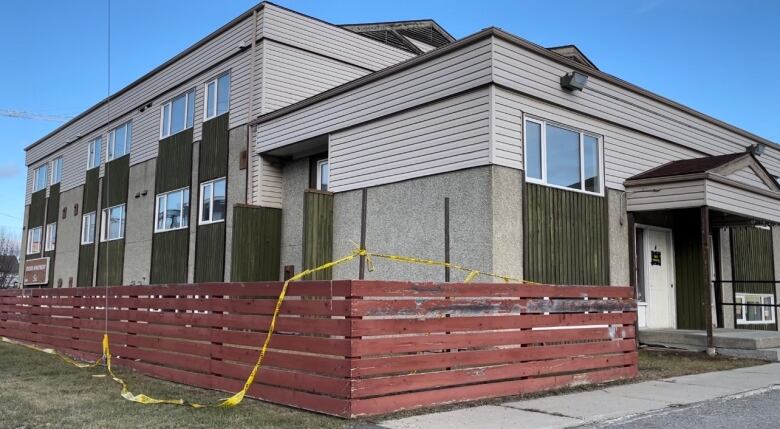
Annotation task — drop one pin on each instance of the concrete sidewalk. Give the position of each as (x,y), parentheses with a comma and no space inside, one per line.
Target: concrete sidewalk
(611,403)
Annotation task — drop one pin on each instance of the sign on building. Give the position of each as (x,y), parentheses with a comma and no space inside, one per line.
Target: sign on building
(36,271)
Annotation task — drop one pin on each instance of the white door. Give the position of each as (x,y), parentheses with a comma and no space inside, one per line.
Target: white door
(659,269)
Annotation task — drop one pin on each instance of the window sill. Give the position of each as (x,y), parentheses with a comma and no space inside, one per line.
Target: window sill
(159,231)
(106,240)
(177,132)
(211,222)
(563,188)
(86,243)
(215,116)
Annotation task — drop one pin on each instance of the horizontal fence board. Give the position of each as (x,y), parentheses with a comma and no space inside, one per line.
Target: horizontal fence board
(343,347)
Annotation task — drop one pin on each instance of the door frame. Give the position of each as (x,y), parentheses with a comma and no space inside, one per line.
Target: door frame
(672,269)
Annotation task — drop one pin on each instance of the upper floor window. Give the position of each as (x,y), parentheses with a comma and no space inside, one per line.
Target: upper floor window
(34,240)
(51,237)
(88,228)
(323,173)
(112,225)
(93,153)
(562,157)
(217,96)
(177,114)
(212,201)
(173,210)
(56,170)
(119,141)
(40,176)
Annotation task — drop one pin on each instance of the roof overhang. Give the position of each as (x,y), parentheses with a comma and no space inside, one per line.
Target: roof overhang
(707,189)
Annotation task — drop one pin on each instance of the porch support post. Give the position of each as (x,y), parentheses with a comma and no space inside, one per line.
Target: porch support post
(705,255)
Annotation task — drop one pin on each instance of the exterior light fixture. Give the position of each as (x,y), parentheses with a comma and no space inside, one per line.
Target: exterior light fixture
(756,149)
(574,81)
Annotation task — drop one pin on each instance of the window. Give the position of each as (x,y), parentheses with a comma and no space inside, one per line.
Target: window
(112,226)
(40,177)
(177,114)
(93,154)
(119,141)
(51,237)
(212,201)
(88,228)
(323,173)
(562,157)
(34,240)
(56,170)
(755,308)
(217,96)
(173,210)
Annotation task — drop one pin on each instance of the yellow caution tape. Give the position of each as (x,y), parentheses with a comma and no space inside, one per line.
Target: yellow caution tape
(239,396)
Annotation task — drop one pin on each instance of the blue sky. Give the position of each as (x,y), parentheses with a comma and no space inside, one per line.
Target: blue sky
(719,57)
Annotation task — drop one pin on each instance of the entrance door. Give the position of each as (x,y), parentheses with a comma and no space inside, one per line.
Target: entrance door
(658,264)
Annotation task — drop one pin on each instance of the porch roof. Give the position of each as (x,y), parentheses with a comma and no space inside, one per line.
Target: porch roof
(734,183)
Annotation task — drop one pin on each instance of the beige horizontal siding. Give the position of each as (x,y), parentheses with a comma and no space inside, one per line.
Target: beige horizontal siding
(507,130)
(666,196)
(741,201)
(329,40)
(538,76)
(444,76)
(447,135)
(748,177)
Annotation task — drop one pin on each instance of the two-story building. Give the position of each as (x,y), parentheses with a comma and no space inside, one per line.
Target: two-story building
(280,140)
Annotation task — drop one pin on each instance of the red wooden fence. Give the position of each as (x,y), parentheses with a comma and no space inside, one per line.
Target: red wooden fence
(347,348)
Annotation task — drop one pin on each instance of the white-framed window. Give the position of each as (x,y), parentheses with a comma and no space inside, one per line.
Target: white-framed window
(177,114)
(93,153)
(51,237)
(755,308)
(212,202)
(88,228)
(112,226)
(40,177)
(562,157)
(323,174)
(34,240)
(217,96)
(56,170)
(172,210)
(119,141)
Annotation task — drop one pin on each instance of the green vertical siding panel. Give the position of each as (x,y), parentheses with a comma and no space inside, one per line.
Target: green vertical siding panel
(110,263)
(212,164)
(53,204)
(169,257)
(257,239)
(213,159)
(89,203)
(317,232)
(91,190)
(565,236)
(37,215)
(170,249)
(689,287)
(174,162)
(115,181)
(210,253)
(752,260)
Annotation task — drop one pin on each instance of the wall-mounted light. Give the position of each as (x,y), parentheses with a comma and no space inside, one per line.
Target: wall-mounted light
(574,81)
(756,149)
(243,46)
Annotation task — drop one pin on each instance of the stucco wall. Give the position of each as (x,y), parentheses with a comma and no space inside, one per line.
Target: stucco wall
(295,180)
(194,204)
(236,187)
(140,223)
(66,258)
(507,204)
(407,218)
(619,270)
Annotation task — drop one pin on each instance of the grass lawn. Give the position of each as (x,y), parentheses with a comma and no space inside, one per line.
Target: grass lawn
(38,390)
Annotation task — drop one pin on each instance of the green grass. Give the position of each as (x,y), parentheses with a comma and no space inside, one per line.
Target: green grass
(39,390)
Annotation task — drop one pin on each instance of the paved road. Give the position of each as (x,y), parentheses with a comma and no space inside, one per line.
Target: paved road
(753,411)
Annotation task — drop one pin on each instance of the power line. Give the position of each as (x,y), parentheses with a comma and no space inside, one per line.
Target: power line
(34,116)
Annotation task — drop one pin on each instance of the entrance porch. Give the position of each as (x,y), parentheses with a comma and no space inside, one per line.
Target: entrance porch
(703,254)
